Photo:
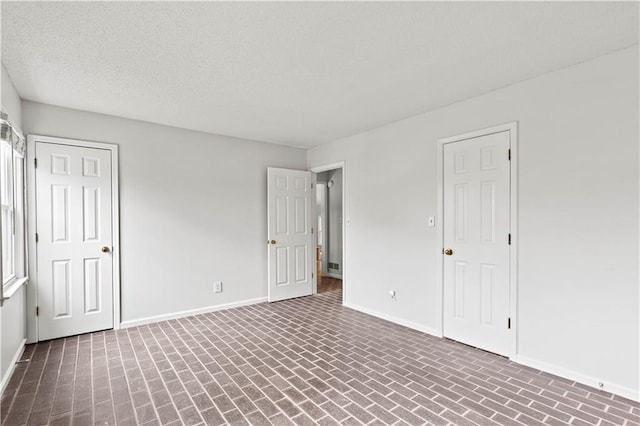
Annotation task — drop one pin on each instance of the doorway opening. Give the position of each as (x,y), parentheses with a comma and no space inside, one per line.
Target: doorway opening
(329,222)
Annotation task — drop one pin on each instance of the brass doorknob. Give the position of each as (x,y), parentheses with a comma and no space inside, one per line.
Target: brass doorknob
(273,241)
(105,249)
(448,252)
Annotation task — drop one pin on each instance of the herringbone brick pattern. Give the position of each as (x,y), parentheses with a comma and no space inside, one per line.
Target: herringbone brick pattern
(304,361)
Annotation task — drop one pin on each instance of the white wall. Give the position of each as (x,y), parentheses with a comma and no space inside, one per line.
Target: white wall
(578,290)
(11,102)
(12,314)
(192,209)
(13,330)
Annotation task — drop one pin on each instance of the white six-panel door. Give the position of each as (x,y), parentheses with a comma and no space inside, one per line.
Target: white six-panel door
(476,240)
(289,231)
(74,227)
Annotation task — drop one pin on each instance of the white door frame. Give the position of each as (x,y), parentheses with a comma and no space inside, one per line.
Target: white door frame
(512,128)
(320,169)
(32,288)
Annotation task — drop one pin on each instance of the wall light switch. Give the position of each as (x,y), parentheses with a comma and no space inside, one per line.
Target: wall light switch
(431,221)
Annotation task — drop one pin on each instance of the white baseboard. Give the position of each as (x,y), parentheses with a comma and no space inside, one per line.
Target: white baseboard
(332,275)
(410,324)
(182,314)
(529,362)
(579,377)
(12,366)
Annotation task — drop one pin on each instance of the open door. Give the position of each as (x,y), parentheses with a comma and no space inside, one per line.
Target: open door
(290,233)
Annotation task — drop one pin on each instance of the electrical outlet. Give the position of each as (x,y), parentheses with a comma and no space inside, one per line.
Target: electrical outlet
(431,221)
(217,287)
(392,293)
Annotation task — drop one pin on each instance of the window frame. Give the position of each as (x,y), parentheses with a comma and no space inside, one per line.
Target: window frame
(7,206)
(13,220)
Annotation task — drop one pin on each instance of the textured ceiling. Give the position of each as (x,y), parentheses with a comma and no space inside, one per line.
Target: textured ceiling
(293,73)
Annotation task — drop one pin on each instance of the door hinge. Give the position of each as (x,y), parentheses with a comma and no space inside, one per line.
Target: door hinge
(35,163)
(37,238)
(311,185)
(37,311)
(509,323)
(509,154)
(312,229)
(509,239)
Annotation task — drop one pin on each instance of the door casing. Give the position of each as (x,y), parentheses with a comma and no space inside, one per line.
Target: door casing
(512,128)
(32,288)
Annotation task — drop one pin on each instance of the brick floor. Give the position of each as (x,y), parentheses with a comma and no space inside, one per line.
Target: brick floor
(302,361)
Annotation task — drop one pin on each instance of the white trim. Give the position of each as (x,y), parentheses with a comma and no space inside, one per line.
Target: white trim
(327,167)
(190,312)
(11,288)
(512,128)
(32,261)
(396,320)
(332,275)
(314,221)
(32,293)
(115,237)
(515,236)
(32,288)
(440,238)
(333,166)
(579,377)
(12,366)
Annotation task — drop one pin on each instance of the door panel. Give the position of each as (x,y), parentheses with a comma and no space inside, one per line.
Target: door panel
(61,290)
(476,229)
(289,225)
(60,213)
(92,285)
(73,222)
(91,212)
